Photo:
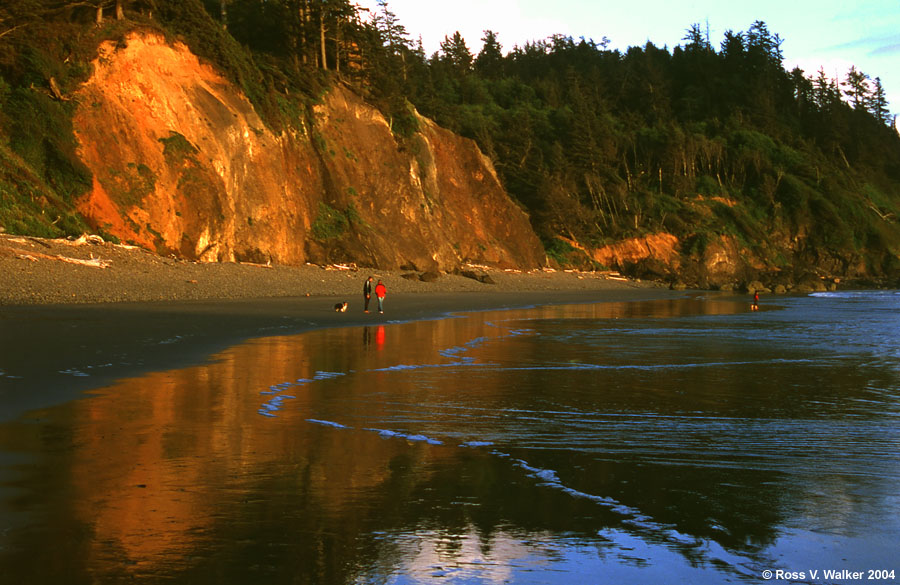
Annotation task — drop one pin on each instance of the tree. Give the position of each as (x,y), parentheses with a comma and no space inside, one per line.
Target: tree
(118,6)
(696,39)
(732,47)
(825,91)
(878,104)
(856,87)
(392,37)
(218,9)
(393,33)
(455,52)
(804,94)
(15,15)
(489,61)
(764,44)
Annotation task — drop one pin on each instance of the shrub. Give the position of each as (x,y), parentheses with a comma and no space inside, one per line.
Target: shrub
(41,133)
(177,148)
(330,223)
(558,250)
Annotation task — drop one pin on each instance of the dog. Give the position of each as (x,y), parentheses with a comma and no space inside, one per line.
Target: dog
(341,307)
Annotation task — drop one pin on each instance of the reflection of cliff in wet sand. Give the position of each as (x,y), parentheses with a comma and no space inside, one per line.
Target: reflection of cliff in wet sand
(169,466)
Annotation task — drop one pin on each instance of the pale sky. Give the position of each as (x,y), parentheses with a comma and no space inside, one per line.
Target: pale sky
(817,33)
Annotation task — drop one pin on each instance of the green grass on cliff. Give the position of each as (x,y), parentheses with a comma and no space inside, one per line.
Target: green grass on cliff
(330,224)
(28,206)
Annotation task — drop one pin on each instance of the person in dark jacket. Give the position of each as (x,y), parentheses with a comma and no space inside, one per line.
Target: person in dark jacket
(367,292)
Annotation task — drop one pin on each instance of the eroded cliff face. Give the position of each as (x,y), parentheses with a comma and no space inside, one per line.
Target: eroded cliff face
(183,165)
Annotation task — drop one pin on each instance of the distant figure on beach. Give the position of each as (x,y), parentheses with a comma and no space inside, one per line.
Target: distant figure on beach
(367,292)
(755,305)
(380,292)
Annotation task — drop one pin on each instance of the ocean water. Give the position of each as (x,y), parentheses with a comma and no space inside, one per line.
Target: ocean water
(681,441)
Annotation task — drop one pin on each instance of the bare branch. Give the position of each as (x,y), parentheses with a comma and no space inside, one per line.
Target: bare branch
(13,29)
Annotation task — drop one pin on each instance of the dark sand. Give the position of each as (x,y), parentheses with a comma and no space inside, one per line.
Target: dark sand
(67,327)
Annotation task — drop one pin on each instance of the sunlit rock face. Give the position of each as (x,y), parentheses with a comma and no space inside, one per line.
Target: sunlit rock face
(183,165)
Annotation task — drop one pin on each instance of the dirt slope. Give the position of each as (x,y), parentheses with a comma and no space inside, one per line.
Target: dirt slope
(183,165)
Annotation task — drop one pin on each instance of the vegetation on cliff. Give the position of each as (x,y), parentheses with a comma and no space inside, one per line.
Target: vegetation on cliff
(798,171)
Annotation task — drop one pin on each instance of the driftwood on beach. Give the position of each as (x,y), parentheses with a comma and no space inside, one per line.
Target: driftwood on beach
(42,271)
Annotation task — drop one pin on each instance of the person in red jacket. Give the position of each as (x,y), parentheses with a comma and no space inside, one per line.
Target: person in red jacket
(380,292)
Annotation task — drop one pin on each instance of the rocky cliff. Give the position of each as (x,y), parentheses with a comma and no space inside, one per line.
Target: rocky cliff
(183,165)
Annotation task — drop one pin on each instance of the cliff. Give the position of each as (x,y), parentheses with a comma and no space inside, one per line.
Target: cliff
(182,164)
(142,140)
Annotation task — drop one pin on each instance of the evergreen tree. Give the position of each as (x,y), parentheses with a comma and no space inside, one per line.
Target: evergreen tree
(455,53)
(878,104)
(489,61)
(696,39)
(856,87)
(825,92)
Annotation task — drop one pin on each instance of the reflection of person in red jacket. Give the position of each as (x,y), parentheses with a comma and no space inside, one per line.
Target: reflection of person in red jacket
(380,291)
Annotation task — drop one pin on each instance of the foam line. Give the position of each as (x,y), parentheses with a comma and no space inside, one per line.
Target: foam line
(708,550)
(274,404)
(550,478)
(397,435)
(464,361)
(475,444)
(327,423)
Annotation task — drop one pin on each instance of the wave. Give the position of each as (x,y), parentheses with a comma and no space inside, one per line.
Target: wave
(476,444)
(384,433)
(320,375)
(455,353)
(462,362)
(642,526)
(635,525)
(388,434)
(857,294)
(269,408)
(651,367)
(327,423)
(273,405)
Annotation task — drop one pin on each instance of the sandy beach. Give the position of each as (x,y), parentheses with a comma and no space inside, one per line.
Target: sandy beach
(41,271)
(75,315)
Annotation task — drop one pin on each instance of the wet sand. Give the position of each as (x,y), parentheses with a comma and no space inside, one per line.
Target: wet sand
(67,327)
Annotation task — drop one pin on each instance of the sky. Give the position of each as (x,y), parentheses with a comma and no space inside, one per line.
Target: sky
(829,34)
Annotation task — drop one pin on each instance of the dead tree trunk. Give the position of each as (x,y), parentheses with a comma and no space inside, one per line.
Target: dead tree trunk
(322,38)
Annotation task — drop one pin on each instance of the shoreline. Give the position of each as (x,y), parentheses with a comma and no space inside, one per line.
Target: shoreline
(145,313)
(55,353)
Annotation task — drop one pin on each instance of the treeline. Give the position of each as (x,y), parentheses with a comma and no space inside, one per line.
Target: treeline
(601,145)
(597,144)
